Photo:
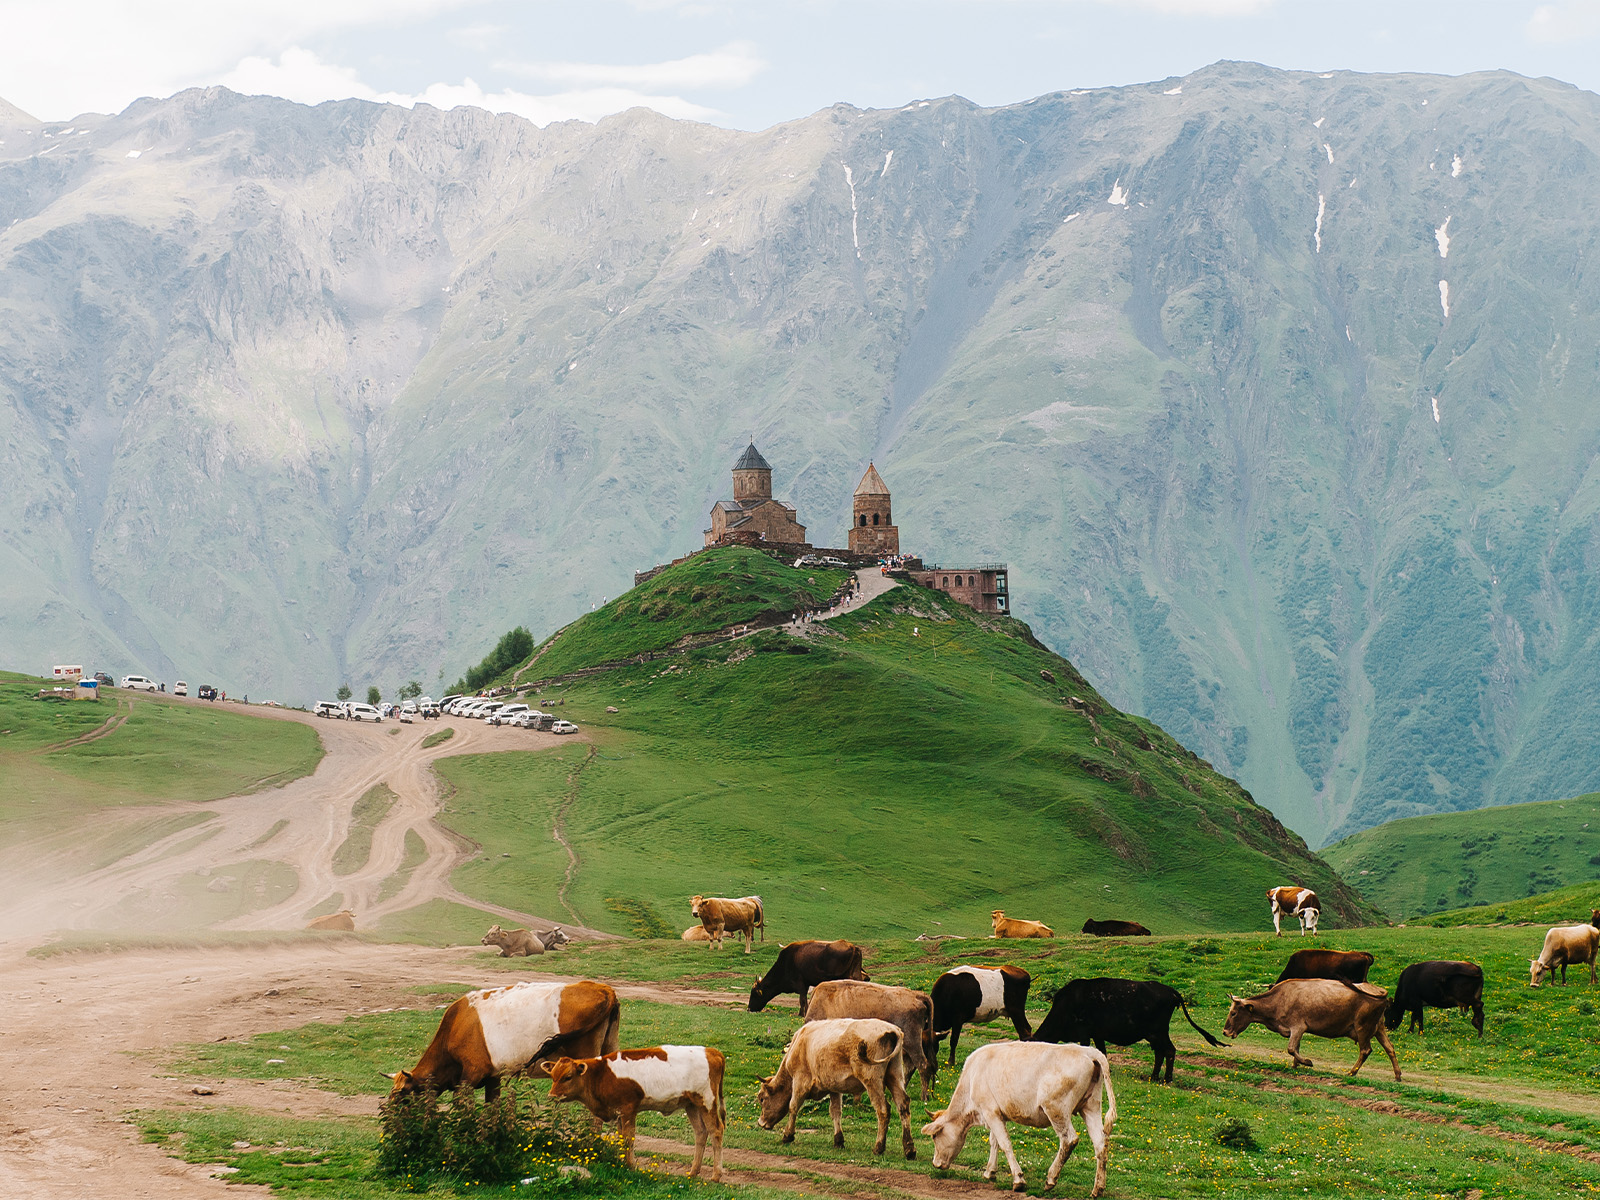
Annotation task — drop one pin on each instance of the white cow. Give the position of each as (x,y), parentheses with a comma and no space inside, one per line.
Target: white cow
(1035,1084)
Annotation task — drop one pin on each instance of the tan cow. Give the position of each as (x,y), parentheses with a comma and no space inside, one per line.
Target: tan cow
(1298,902)
(342,921)
(663,1079)
(1330,1008)
(908,1010)
(1011,927)
(837,1059)
(486,1035)
(1566,945)
(696,933)
(513,943)
(720,915)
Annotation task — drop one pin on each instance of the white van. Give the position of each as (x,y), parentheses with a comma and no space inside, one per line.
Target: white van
(138,683)
(180,688)
(363,712)
(328,708)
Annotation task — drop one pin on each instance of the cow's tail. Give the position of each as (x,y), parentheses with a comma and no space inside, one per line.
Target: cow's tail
(1197,1029)
(612,1038)
(761,917)
(890,1039)
(1108,1106)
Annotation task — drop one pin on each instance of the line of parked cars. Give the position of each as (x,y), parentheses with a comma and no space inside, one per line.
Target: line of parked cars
(143,683)
(351,710)
(501,712)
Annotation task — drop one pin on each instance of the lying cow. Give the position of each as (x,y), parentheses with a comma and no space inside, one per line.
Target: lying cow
(1349,965)
(696,933)
(1329,1008)
(908,1010)
(803,965)
(1120,1011)
(485,1036)
(513,943)
(720,915)
(1437,984)
(1563,946)
(663,1079)
(837,1059)
(1035,1085)
(1298,902)
(343,921)
(1011,927)
(978,995)
(1115,929)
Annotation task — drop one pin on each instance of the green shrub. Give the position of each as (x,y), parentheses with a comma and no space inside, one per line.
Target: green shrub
(1235,1134)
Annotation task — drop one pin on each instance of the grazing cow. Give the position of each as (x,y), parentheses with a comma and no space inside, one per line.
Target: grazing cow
(513,943)
(661,1079)
(836,1059)
(343,921)
(1035,1085)
(720,915)
(1115,929)
(1564,945)
(1121,1011)
(978,995)
(696,933)
(907,1010)
(1011,927)
(485,1036)
(1437,984)
(1298,902)
(803,965)
(1349,965)
(1329,1008)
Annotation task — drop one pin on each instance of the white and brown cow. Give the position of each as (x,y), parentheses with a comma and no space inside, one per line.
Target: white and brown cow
(1298,902)
(1330,1008)
(1013,927)
(1564,946)
(978,995)
(487,1035)
(663,1079)
(836,1059)
(720,915)
(907,1009)
(1034,1084)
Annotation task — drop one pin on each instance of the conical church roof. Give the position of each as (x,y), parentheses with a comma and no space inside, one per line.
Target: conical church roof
(751,460)
(872,483)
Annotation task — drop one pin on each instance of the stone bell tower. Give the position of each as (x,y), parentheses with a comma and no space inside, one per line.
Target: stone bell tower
(872,529)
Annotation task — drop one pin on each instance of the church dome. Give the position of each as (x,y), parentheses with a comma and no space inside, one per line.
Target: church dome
(751,460)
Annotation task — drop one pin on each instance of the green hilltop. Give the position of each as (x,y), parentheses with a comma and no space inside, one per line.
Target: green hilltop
(1506,857)
(901,769)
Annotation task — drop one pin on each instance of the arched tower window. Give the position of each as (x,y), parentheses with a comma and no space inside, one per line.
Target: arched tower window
(863,518)
(874,518)
(958,581)
(947,581)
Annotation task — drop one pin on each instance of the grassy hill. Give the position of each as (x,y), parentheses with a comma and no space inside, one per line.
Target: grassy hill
(902,769)
(1489,856)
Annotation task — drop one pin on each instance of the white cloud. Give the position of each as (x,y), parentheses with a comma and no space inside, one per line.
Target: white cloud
(297,75)
(731,66)
(1574,20)
(481,37)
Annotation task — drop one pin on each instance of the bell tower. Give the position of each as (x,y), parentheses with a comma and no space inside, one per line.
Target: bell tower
(872,530)
(752,476)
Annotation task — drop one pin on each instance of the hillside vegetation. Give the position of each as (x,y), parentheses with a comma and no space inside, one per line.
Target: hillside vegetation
(901,769)
(1488,856)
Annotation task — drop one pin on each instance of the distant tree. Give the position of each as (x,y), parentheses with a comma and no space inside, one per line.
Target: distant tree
(374,696)
(512,650)
(343,693)
(411,691)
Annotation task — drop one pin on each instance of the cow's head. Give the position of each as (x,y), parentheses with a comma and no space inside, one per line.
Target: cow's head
(996,917)
(694,905)
(1241,1015)
(1309,918)
(1392,1014)
(1536,971)
(949,1134)
(492,938)
(772,1101)
(554,936)
(566,1077)
(1594,917)
(405,1083)
(758,997)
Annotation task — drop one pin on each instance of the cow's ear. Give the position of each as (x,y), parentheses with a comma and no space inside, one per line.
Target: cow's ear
(581,1068)
(545,1065)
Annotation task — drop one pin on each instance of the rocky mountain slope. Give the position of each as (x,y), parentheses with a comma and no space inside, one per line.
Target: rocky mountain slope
(1273,388)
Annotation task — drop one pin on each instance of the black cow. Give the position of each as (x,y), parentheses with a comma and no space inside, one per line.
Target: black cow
(803,965)
(1115,929)
(1349,965)
(1122,1011)
(975,995)
(1437,984)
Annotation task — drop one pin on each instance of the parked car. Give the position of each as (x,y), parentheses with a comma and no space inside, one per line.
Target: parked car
(363,712)
(207,692)
(430,712)
(834,562)
(487,708)
(180,688)
(138,683)
(506,713)
(410,706)
(102,677)
(563,727)
(528,720)
(406,718)
(324,708)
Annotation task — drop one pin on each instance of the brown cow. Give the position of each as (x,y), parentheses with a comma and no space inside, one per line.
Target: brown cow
(908,1010)
(803,965)
(1011,927)
(1566,945)
(696,933)
(1329,1008)
(343,921)
(1298,902)
(719,914)
(1349,965)
(661,1079)
(837,1059)
(1115,928)
(485,1036)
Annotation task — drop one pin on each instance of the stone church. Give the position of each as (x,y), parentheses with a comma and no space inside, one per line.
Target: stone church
(753,516)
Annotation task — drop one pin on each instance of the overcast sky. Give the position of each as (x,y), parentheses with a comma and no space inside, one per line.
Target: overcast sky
(742,63)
